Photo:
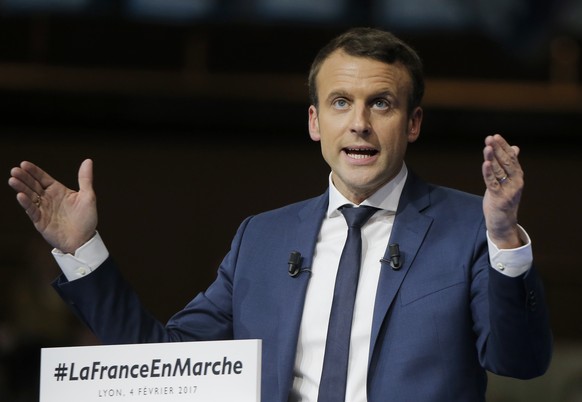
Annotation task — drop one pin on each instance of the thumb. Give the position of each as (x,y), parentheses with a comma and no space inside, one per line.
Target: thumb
(515,149)
(86,175)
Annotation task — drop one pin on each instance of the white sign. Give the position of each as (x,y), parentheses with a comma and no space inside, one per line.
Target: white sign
(215,371)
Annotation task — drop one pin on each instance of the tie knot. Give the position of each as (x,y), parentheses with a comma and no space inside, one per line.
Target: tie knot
(356,217)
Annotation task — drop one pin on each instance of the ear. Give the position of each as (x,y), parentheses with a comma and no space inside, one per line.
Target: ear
(414,123)
(314,124)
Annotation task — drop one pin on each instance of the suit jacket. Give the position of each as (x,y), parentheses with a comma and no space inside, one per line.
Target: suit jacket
(439,322)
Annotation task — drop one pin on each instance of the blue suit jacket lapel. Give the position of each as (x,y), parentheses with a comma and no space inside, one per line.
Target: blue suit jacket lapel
(303,239)
(409,230)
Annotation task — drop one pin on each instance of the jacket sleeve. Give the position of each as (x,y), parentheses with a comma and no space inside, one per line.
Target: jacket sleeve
(109,306)
(514,336)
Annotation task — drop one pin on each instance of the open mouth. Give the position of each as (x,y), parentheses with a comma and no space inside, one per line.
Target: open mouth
(360,153)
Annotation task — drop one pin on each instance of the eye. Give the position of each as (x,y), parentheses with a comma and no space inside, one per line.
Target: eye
(340,103)
(381,103)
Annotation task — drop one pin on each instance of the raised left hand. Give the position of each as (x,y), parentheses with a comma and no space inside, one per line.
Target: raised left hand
(503,177)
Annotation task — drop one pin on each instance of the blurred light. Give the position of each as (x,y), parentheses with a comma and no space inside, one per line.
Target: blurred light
(425,14)
(570,17)
(171,9)
(44,5)
(301,10)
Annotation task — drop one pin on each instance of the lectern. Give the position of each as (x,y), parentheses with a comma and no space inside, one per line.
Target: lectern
(215,371)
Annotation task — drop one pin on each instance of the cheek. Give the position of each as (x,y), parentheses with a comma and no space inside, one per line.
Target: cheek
(326,148)
(333,122)
(392,132)
(394,140)
(328,133)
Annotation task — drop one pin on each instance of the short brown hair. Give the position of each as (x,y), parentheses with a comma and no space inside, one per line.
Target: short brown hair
(377,45)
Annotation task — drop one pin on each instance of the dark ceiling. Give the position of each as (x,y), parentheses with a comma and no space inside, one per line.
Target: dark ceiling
(240,72)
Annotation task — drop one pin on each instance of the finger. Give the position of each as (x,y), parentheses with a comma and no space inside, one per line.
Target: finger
(515,149)
(22,182)
(492,170)
(504,160)
(490,178)
(31,209)
(41,178)
(86,176)
(498,170)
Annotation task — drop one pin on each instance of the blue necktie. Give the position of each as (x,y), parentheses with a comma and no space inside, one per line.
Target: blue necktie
(332,387)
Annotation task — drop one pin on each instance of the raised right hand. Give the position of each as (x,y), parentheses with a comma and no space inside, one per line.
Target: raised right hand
(67,219)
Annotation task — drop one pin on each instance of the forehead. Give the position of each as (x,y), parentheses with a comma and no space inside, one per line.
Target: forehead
(344,72)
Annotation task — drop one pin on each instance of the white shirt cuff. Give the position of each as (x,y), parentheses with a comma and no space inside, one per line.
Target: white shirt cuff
(512,262)
(86,259)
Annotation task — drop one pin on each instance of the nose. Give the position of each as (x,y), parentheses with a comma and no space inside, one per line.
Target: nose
(360,123)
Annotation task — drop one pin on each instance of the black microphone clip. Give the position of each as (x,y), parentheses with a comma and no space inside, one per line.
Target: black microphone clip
(294,263)
(395,260)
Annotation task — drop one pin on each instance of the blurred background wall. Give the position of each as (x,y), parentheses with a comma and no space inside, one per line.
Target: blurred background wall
(182,103)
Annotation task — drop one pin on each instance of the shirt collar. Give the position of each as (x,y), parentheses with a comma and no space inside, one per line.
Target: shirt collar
(386,198)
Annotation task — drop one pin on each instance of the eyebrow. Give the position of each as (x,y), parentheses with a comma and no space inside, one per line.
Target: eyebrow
(337,94)
(383,94)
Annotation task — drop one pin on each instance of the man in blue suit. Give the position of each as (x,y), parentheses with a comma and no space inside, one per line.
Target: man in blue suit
(458,295)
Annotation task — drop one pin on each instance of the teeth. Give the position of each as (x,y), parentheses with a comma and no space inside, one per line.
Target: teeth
(360,153)
(358,156)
